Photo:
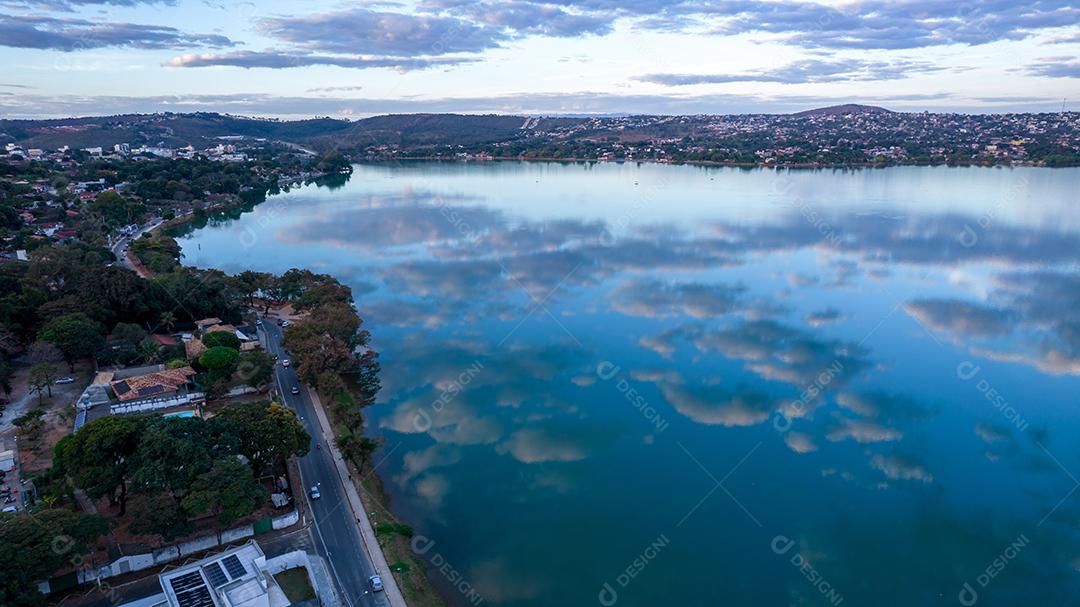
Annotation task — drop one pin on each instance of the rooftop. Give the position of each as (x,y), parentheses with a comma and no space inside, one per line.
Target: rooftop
(152,384)
(234,578)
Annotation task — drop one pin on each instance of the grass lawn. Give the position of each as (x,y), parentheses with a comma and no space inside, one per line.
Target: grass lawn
(296,585)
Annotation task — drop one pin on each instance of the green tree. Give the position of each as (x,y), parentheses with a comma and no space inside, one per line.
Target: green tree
(167,319)
(256,368)
(41,379)
(98,456)
(337,319)
(269,433)
(250,284)
(173,452)
(31,424)
(227,490)
(220,361)
(221,338)
(76,335)
(33,547)
(129,333)
(317,351)
(114,210)
(159,514)
(148,351)
(357,451)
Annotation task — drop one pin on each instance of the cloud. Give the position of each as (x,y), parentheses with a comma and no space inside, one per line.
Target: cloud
(334,89)
(800,442)
(537,445)
(896,25)
(810,70)
(901,467)
(782,353)
(655,299)
(880,405)
(365,31)
(959,317)
(863,431)
(1072,38)
(435,456)
(1055,67)
(279,60)
(64,34)
(525,18)
(714,406)
(824,317)
(992,433)
(70,5)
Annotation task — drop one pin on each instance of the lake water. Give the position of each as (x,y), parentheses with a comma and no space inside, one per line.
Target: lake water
(674,385)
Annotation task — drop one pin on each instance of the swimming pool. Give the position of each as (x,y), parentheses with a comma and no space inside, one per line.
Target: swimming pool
(181,414)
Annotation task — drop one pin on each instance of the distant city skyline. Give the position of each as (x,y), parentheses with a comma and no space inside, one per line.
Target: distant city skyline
(278,59)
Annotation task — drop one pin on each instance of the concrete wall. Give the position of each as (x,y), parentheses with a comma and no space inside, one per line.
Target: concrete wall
(137,562)
(286,520)
(239,533)
(199,544)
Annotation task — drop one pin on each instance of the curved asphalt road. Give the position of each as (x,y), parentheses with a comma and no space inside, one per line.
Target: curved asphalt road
(336,535)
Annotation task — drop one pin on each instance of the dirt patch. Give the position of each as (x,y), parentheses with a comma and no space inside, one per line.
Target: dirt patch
(36,454)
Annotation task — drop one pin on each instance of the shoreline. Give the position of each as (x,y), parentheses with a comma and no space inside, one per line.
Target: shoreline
(714,163)
(418,590)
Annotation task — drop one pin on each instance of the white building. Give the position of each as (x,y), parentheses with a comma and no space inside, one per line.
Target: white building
(238,577)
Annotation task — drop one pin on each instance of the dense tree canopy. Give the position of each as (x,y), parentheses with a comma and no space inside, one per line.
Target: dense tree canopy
(75,335)
(32,547)
(269,433)
(220,361)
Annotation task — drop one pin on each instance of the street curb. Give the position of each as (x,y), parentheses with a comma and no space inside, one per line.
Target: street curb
(367,532)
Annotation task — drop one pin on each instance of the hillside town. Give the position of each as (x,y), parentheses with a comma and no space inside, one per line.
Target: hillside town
(823,138)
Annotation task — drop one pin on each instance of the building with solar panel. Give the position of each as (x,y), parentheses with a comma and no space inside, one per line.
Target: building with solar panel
(237,577)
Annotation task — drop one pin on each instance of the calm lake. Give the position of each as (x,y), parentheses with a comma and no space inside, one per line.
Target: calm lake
(674,385)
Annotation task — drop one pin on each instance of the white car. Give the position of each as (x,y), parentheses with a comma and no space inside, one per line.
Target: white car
(314,493)
(66,380)
(376,583)
(286,362)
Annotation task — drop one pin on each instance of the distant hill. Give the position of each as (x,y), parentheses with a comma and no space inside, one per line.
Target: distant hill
(417,130)
(169,130)
(847,108)
(201,129)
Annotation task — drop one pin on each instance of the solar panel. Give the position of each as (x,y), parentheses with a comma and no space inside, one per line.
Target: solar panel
(235,567)
(191,591)
(151,390)
(215,574)
(121,388)
(187,581)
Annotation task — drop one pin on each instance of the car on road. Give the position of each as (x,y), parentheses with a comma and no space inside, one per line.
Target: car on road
(66,380)
(314,493)
(376,583)
(285,323)
(285,362)
(295,390)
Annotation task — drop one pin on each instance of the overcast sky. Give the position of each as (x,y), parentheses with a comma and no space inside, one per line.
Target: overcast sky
(296,59)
